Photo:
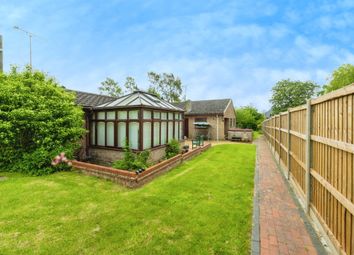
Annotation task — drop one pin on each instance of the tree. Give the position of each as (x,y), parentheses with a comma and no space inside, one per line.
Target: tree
(111,88)
(287,94)
(249,117)
(341,77)
(166,86)
(39,120)
(130,85)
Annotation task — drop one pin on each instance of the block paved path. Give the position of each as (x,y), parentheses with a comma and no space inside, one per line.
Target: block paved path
(282,228)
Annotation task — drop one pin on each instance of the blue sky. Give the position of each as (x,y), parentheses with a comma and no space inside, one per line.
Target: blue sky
(219,49)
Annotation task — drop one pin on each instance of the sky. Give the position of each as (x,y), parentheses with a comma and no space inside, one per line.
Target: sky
(219,49)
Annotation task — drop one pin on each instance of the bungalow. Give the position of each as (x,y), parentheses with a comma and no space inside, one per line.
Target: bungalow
(210,118)
(140,119)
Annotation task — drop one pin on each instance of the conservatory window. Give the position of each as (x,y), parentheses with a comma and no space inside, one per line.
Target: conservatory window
(157,115)
(176,130)
(170,116)
(101,131)
(121,134)
(163,132)
(164,116)
(110,134)
(147,115)
(133,115)
(134,135)
(101,115)
(156,133)
(93,133)
(180,130)
(122,115)
(111,115)
(147,135)
(170,131)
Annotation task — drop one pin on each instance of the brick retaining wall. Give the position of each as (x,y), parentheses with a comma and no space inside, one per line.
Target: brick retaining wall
(131,179)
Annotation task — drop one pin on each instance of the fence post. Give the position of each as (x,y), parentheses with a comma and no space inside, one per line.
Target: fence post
(279,159)
(289,145)
(308,155)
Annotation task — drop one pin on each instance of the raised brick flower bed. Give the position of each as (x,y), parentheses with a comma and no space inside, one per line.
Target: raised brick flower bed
(131,179)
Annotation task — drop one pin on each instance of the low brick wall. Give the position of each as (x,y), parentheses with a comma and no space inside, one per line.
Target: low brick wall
(131,179)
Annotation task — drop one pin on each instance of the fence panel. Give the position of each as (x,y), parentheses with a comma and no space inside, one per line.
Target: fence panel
(317,151)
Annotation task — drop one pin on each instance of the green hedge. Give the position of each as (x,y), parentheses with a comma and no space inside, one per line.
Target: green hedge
(39,119)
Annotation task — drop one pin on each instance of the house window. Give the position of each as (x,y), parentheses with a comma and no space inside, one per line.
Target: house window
(200,119)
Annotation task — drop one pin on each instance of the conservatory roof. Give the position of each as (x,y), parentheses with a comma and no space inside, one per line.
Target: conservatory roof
(139,98)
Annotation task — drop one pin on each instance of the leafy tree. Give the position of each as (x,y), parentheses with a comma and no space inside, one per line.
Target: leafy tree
(130,85)
(111,88)
(249,117)
(166,86)
(287,94)
(340,77)
(39,120)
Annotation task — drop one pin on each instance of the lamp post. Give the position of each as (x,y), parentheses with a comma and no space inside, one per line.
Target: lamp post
(30,35)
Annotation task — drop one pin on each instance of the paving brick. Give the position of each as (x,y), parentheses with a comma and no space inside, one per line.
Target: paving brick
(282,230)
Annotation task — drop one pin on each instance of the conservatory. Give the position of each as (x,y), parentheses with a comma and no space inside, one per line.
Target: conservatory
(139,119)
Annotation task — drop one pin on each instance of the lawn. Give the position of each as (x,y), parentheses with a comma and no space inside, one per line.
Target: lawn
(203,206)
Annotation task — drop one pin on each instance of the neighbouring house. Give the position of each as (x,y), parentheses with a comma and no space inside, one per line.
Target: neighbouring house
(140,119)
(210,118)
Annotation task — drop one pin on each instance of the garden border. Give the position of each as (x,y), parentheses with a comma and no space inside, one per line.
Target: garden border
(131,179)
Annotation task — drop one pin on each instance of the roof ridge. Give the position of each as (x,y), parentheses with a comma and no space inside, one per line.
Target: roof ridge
(95,94)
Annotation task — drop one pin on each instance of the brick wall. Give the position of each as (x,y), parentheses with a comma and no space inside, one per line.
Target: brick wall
(131,179)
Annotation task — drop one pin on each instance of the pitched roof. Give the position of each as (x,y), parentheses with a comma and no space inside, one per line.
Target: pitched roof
(204,107)
(86,99)
(139,98)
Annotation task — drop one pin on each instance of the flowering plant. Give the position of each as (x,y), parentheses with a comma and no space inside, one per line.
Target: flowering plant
(61,158)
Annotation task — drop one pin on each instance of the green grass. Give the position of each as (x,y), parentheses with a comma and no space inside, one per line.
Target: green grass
(257,134)
(203,206)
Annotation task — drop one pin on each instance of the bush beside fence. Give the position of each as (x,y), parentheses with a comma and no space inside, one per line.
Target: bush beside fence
(313,144)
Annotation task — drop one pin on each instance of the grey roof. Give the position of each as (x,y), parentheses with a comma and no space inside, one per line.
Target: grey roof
(204,107)
(86,99)
(139,98)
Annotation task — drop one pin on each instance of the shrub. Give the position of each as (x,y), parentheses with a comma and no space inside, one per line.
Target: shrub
(172,148)
(132,161)
(39,120)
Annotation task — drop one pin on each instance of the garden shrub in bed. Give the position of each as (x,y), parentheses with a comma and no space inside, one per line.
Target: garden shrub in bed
(133,161)
(172,148)
(39,120)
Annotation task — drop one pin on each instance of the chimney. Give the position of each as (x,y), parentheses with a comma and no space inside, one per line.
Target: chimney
(1,56)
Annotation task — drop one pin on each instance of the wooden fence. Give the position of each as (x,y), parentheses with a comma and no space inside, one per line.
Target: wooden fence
(313,144)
